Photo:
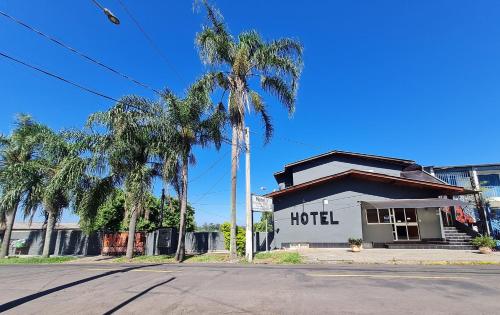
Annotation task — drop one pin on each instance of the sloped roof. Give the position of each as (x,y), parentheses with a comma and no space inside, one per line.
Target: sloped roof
(371,176)
(350,154)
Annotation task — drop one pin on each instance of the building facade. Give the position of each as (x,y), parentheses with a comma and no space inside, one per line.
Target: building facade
(484,178)
(324,200)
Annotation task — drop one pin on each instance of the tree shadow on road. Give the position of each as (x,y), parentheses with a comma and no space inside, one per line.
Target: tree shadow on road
(119,306)
(9,305)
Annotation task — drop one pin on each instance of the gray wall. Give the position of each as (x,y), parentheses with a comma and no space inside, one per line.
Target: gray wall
(63,242)
(202,242)
(337,164)
(344,196)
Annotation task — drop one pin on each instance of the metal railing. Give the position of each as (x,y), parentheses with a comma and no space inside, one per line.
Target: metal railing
(456,178)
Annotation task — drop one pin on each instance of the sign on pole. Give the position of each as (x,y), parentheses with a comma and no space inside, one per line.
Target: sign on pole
(262,204)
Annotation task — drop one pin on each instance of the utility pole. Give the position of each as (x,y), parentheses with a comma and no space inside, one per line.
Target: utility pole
(249,225)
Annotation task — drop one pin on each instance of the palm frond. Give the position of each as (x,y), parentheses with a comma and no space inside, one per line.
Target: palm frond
(260,107)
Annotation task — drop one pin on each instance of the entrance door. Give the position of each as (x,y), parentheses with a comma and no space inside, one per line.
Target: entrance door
(405,226)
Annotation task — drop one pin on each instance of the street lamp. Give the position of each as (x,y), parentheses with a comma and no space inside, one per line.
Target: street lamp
(108,13)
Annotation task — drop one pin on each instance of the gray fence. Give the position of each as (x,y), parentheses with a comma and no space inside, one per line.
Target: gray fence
(63,242)
(159,242)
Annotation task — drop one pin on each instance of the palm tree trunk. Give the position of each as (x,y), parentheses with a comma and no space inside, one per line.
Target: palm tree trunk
(48,234)
(181,244)
(131,233)
(234,169)
(11,216)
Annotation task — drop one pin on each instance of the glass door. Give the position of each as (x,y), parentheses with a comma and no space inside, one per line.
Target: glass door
(405,224)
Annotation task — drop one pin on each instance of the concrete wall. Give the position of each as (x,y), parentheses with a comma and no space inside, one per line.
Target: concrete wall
(63,242)
(203,242)
(196,242)
(337,164)
(344,197)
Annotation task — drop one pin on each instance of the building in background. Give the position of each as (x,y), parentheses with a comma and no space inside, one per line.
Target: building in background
(484,178)
(324,200)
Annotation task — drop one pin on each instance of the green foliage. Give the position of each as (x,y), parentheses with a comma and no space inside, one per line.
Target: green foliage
(260,226)
(355,241)
(110,216)
(247,60)
(208,227)
(225,228)
(484,241)
(35,260)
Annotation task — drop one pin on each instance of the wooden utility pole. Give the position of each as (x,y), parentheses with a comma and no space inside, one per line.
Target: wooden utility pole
(248,197)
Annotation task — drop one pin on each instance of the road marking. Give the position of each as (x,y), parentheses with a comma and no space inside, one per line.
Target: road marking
(134,270)
(386,276)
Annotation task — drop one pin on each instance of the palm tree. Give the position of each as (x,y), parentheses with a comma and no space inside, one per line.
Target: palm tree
(126,150)
(17,171)
(59,171)
(239,62)
(186,123)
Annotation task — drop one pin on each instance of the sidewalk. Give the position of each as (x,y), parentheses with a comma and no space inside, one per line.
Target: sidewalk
(397,256)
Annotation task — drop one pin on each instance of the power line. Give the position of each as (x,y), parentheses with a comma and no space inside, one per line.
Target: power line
(150,41)
(91,59)
(210,167)
(89,90)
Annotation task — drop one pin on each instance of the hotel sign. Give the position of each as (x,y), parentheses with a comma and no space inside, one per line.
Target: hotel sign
(313,217)
(262,204)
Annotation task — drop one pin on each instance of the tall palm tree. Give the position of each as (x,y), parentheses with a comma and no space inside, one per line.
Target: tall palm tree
(127,147)
(186,123)
(59,170)
(17,171)
(238,62)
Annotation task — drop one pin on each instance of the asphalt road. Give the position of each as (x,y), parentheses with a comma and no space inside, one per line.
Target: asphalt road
(218,289)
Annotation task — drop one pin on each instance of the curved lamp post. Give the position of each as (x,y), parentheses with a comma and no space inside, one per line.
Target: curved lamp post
(108,13)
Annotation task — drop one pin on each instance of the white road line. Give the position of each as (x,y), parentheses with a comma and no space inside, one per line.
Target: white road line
(134,270)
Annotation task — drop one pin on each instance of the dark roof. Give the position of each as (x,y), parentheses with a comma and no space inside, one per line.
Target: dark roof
(351,154)
(443,188)
(421,175)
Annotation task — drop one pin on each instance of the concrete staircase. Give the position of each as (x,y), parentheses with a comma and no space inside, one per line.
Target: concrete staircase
(455,239)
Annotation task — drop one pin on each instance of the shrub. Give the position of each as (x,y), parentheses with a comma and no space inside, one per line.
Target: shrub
(240,237)
(484,241)
(355,241)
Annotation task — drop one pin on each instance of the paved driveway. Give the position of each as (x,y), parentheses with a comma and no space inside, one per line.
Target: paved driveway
(219,289)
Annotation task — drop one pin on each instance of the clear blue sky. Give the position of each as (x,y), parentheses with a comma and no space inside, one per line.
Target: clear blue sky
(410,79)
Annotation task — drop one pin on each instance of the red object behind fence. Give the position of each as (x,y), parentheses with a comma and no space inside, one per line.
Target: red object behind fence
(116,243)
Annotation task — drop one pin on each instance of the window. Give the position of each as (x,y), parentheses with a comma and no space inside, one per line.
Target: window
(371,216)
(383,215)
(378,216)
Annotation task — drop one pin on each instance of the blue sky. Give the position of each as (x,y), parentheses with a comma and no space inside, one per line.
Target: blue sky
(409,79)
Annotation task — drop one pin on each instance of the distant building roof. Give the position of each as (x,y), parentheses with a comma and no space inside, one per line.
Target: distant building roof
(350,154)
(40,225)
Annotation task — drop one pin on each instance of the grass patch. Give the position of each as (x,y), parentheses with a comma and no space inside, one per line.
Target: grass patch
(169,259)
(278,257)
(207,258)
(160,259)
(35,260)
